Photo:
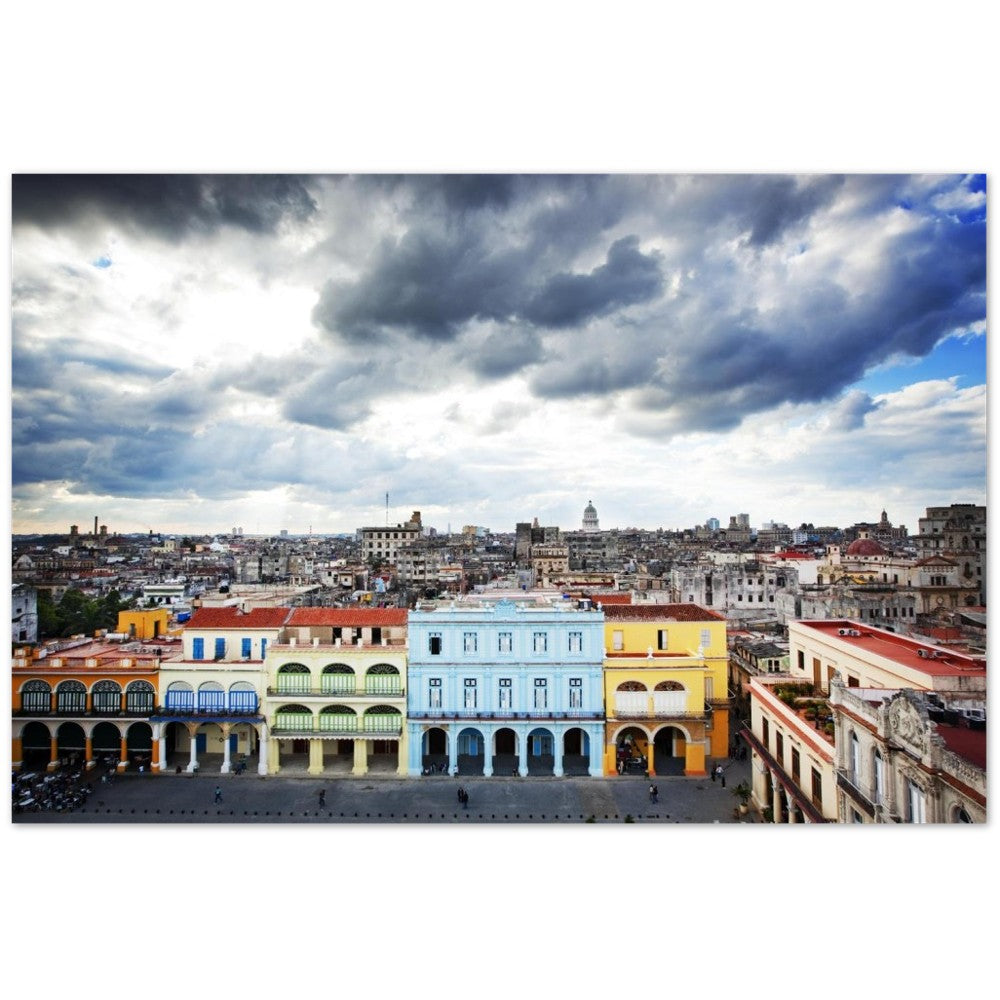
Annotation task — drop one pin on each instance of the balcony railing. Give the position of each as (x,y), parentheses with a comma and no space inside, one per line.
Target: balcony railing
(345,691)
(348,726)
(538,714)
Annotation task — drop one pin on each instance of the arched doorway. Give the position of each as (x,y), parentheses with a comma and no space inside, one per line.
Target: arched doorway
(434,750)
(541,752)
(106,743)
(338,754)
(292,723)
(139,698)
(71,743)
(505,758)
(471,751)
(670,747)
(632,750)
(576,752)
(139,742)
(36,746)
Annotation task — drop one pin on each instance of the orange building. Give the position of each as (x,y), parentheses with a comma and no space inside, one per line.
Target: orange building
(84,700)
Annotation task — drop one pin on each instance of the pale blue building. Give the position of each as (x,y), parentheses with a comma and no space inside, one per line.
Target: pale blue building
(505,687)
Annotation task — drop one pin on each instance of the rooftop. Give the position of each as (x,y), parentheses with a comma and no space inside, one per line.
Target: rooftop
(230,617)
(911,653)
(661,613)
(348,617)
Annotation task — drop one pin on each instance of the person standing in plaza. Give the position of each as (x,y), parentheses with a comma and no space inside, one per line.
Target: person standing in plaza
(218,794)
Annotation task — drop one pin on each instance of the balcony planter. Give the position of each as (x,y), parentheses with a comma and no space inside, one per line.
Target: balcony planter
(743,792)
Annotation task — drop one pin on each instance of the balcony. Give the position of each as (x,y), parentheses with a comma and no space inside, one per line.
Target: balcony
(347,727)
(377,691)
(539,715)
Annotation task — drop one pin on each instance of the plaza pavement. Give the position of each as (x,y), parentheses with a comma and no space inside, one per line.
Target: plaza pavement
(249,798)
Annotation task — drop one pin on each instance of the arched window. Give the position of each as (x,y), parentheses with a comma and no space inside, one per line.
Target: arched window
(669,686)
(338,718)
(383,678)
(180,697)
(631,686)
(107,697)
(71,696)
(139,697)
(211,697)
(36,698)
(293,718)
(959,815)
(855,761)
(383,719)
(242,698)
(294,678)
(337,678)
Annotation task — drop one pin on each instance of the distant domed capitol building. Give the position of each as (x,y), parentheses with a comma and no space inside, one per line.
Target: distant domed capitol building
(590,517)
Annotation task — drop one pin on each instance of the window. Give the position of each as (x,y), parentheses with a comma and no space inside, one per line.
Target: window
(434,692)
(470,642)
(434,643)
(796,763)
(198,649)
(817,789)
(220,648)
(540,641)
(506,643)
(576,642)
(765,734)
(263,648)
(245,646)
(661,638)
(576,692)
(856,816)
(879,778)
(139,697)
(107,697)
(779,748)
(541,692)
(470,693)
(855,761)
(706,638)
(801,660)
(504,700)
(618,639)
(916,803)
(36,697)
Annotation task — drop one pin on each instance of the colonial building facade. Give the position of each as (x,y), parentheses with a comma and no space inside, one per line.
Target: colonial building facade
(504,687)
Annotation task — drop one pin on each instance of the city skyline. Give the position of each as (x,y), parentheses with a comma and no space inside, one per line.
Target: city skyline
(280,351)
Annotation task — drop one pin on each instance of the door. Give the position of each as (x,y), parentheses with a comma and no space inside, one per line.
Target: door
(200,742)
(234,742)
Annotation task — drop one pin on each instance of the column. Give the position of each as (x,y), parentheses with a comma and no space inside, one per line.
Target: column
(88,752)
(226,761)
(776,798)
(403,752)
(53,755)
(123,758)
(263,741)
(360,757)
(558,749)
(315,756)
(154,760)
(488,753)
(596,739)
(162,744)
(274,762)
(15,753)
(522,753)
(791,808)
(193,762)
(452,748)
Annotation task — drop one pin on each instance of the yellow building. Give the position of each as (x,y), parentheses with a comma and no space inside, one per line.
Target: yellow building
(665,689)
(149,624)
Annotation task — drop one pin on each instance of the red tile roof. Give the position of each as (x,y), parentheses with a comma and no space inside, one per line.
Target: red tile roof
(661,612)
(233,618)
(348,617)
(606,599)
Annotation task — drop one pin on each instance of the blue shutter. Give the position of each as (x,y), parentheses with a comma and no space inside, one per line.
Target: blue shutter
(263,648)
(220,648)
(199,649)
(245,649)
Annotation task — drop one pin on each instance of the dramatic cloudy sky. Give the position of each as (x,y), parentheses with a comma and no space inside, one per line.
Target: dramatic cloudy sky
(192,353)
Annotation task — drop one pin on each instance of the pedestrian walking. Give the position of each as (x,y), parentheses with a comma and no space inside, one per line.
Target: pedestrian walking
(218,794)
(721,775)
(322,798)
(714,771)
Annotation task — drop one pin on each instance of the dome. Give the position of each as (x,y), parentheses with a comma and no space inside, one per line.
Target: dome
(590,508)
(865,547)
